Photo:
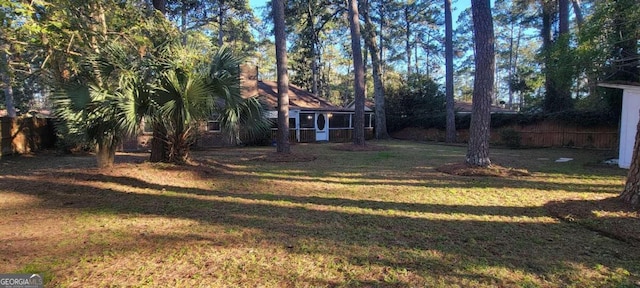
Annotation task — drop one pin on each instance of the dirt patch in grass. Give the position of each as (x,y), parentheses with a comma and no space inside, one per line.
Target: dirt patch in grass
(610,217)
(352,147)
(463,169)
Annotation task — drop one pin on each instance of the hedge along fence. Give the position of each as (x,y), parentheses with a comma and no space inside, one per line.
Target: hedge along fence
(24,135)
(547,133)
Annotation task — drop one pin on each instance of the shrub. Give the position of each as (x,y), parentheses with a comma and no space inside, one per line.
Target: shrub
(511,138)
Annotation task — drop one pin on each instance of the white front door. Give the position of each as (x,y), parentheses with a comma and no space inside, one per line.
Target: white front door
(322,127)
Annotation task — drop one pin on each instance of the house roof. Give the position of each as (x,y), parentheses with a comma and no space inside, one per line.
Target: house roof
(369,105)
(466,107)
(299,99)
(633,86)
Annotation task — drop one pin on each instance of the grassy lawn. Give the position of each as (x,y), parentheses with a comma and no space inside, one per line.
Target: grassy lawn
(347,219)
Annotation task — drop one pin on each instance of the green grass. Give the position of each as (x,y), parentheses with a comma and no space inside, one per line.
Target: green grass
(347,219)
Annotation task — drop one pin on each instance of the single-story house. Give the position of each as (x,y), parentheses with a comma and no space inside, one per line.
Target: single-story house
(628,121)
(311,118)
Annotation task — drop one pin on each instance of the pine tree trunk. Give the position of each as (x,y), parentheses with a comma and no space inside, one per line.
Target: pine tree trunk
(577,9)
(631,192)
(282,140)
(8,89)
(548,10)
(358,67)
(220,22)
(407,39)
(483,89)
(378,87)
(563,16)
(451,115)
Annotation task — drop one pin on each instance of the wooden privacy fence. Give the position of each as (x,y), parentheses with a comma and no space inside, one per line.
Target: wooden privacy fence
(542,134)
(24,135)
(550,134)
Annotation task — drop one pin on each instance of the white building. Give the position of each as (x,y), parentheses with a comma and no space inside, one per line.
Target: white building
(628,121)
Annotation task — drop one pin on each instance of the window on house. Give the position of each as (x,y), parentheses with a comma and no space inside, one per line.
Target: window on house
(339,121)
(213,126)
(274,123)
(307,120)
(368,120)
(147,127)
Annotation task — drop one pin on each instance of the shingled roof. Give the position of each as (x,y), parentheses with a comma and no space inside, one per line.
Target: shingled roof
(466,107)
(299,99)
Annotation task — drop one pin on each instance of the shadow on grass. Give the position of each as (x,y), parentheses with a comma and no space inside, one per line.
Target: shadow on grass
(543,249)
(610,217)
(390,177)
(510,211)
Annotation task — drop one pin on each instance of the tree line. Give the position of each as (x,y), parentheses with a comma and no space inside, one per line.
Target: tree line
(530,55)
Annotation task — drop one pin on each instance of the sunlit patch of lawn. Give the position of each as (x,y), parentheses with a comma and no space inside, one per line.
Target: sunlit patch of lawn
(348,218)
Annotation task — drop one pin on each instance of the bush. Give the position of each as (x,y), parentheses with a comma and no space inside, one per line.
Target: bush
(420,104)
(511,138)
(437,119)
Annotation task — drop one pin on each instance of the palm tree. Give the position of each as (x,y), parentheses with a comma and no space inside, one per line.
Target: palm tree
(235,113)
(182,102)
(189,95)
(172,89)
(103,105)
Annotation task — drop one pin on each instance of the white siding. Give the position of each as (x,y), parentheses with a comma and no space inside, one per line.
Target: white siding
(628,125)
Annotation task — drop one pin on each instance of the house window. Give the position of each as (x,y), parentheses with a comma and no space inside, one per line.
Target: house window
(147,127)
(213,126)
(368,120)
(307,120)
(339,121)
(274,123)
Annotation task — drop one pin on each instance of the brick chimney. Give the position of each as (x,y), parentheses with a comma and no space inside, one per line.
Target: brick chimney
(248,80)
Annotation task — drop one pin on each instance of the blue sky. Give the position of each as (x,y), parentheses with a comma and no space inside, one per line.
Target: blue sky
(458,5)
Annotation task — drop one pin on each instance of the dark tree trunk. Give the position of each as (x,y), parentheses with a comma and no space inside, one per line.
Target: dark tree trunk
(105,154)
(220,23)
(282,140)
(382,47)
(159,145)
(563,14)
(483,89)
(314,49)
(376,63)
(577,9)
(8,89)
(451,115)
(358,68)
(160,5)
(407,40)
(631,192)
(550,86)
(563,70)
